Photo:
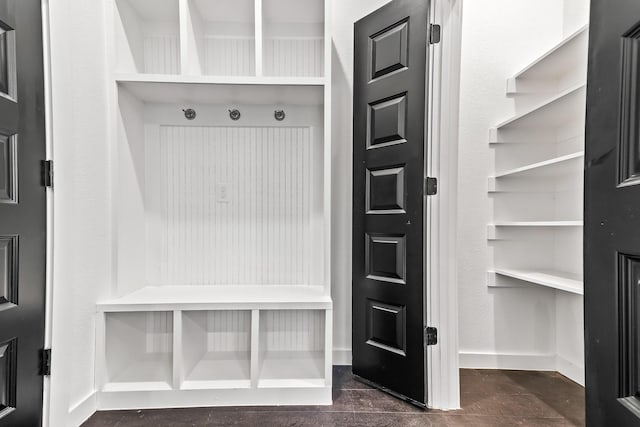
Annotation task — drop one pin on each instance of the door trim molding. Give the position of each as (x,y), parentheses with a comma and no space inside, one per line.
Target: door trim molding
(443,382)
(48,117)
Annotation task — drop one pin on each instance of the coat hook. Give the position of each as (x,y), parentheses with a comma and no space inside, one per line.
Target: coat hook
(234,114)
(279,115)
(189,113)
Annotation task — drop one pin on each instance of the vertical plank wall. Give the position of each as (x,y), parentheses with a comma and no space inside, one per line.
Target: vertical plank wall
(161,54)
(229,56)
(292,330)
(260,233)
(300,57)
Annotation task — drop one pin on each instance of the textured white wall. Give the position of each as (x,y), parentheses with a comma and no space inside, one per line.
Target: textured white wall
(345,13)
(575,15)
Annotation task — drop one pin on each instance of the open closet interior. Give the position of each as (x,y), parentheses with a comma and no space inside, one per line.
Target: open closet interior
(537,190)
(221,181)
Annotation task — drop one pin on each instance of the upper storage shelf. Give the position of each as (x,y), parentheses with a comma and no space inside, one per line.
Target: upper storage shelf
(147,36)
(293,38)
(219,37)
(559,67)
(276,38)
(224,90)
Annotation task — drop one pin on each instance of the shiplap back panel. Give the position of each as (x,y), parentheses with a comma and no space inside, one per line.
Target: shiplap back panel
(292,330)
(262,235)
(228,331)
(161,54)
(299,57)
(159,332)
(229,56)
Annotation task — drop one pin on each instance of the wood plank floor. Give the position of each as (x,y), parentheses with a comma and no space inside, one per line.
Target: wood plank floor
(489,398)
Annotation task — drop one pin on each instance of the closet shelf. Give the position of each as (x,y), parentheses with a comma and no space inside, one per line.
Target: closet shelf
(492,229)
(551,167)
(538,224)
(557,61)
(224,90)
(266,297)
(550,279)
(553,112)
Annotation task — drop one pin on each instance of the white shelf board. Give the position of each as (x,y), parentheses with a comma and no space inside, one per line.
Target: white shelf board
(221,80)
(157,88)
(550,279)
(537,224)
(552,63)
(220,370)
(492,229)
(272,297)
(551,113)
(151,372)
(551,167)
(281,369)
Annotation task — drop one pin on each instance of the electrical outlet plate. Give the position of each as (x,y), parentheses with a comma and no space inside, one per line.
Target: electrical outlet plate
(222,193)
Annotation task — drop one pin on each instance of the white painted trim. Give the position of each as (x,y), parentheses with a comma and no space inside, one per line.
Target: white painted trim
(342,357)
(524,362)
(80,412)
(509,361)
(443,384)
(214,397)
(46,45)
(570,370)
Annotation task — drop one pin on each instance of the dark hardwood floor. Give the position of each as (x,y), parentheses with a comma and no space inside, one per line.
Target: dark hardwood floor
(489,398)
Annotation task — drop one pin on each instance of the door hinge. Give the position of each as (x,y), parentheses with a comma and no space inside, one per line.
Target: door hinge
(430,336)
(47,173)
(45,362)
(434,33)
(430,186)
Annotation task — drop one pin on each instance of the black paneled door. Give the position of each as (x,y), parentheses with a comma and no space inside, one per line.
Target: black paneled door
(22,212)
(389,166)
(612,215)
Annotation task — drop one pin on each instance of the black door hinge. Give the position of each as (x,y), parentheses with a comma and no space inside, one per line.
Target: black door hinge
(434,33)
(47,173)
(45,362)
(430,336)
(430,186)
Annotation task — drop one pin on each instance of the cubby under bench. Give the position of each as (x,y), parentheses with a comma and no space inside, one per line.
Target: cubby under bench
(191,346)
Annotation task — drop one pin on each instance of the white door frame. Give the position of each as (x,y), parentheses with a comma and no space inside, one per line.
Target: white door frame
(443,382)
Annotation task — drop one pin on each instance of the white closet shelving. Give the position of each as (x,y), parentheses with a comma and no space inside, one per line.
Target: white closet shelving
(556,69)
(536,232)
(222,224)
(549,279)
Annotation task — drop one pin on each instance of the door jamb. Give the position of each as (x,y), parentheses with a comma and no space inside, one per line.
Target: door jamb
(441,293)
(46,60)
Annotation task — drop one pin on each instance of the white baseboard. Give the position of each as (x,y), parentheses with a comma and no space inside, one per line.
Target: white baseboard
(570,370)
(526,362)
(81,411)
(533,362)
(342,356)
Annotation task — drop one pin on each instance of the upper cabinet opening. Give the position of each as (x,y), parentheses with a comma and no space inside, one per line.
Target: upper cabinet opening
(220,37)
(293,33)
(147,36)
